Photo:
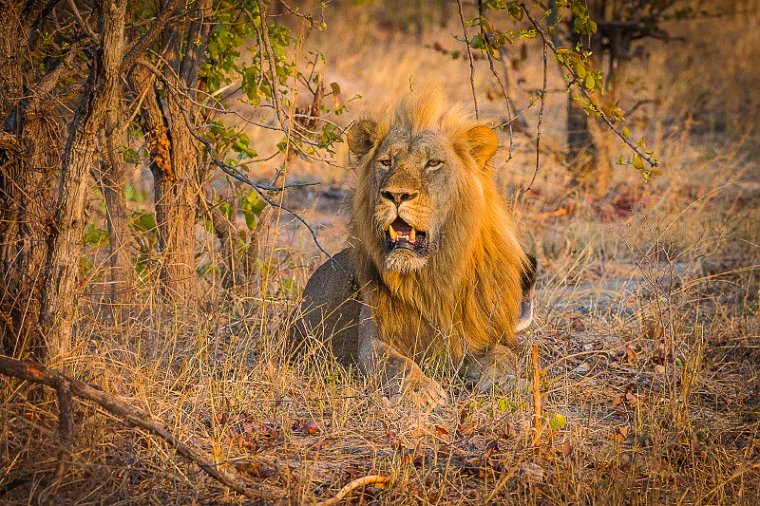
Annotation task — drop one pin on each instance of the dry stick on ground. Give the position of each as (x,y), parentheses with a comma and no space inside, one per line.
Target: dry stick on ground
(359,482)
(37,373)
(536,395)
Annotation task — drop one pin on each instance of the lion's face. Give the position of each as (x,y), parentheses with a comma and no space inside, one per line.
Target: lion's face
(414,184)
(413,180)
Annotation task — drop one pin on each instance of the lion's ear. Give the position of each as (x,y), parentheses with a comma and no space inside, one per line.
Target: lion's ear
(483,143)
(362,137)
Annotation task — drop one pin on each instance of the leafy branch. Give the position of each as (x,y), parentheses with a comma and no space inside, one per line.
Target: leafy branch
(581,83)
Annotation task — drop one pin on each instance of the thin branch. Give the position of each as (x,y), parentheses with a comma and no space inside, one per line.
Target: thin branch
(511,111)
(82,24)
(38,373)
(271,59)
(234,173)
(150,36)
(538,126)
(537,414)
(65,425)
(359,482)
(49,81)
(469,57)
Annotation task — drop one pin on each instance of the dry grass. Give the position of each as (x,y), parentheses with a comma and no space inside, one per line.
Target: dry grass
(647,323)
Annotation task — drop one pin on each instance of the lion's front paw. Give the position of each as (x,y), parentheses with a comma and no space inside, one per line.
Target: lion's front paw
(420,391)
(500,379)
(495,370)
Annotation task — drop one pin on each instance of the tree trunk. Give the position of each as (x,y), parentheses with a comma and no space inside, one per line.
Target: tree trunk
(113,179)
(166,116)
(64,242)
(30,149)
(232,274)
(174,162)
(582,152)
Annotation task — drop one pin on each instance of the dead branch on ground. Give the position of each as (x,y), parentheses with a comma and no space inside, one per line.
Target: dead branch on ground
(38,373)
(375,479)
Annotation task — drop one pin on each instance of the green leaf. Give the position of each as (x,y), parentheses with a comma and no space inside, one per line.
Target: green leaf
(626,133)
(227,209)
(515,10)
(590,82)
(580,69)
(558,421)
(95,236)
(131,156)
(477,42)
(253,203)
(143,221)
(637,162)
(290,287)
(335,87)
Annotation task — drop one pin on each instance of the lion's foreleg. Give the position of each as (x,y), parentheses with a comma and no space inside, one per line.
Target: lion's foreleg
(401,377)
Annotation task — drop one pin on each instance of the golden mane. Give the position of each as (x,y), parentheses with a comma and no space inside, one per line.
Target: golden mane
(470,291)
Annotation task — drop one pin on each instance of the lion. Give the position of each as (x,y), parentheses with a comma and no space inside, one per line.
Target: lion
(433,267)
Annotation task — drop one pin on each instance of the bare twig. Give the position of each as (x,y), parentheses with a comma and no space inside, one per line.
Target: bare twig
(538,126)
(82,23)
(271,60)
(505,478)
(469,57)
(150,37)
(511,111)
(234,173)
(375,479)
(48,83)
(65,425)
(537,415)
(38,373)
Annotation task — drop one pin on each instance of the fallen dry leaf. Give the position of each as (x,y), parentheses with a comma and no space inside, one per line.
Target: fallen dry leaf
(630,355)
(622,433)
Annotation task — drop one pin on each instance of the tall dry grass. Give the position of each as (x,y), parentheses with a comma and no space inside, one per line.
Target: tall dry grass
(647,321)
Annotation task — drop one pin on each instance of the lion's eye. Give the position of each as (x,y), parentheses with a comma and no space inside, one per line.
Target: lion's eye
(385,162)
(433,164)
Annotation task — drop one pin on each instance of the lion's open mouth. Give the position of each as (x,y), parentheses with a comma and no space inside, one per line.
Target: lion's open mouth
(401,235)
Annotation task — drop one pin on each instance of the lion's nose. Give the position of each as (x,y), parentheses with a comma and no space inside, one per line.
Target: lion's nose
(398,196)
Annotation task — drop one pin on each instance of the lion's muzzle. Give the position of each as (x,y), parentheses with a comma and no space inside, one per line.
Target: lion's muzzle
(401,235)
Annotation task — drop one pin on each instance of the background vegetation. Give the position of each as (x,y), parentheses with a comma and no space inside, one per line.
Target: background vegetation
(171,173)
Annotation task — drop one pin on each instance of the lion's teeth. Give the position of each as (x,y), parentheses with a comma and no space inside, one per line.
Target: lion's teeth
(393,234)
(412,235)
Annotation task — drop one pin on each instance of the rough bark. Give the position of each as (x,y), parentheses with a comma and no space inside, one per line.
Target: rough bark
(166,117)
(64,242)
(174,162)
(113,179)
(29,155)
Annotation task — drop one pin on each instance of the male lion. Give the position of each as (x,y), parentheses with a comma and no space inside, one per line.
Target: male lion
(434,267)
